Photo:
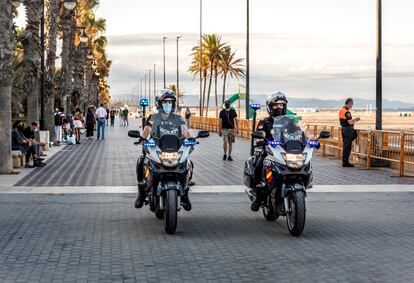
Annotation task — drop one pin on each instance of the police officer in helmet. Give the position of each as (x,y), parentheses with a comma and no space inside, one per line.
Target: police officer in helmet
(167,119)
(276,105)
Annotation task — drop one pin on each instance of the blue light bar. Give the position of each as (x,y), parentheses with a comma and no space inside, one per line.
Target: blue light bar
(255,106)
(149,144)
(190,143)
(144,102)
(313,143)
(274,143)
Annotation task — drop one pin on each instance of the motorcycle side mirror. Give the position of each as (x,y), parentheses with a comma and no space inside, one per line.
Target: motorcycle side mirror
(134,134)
(324,135)
(258,135)
(203,134)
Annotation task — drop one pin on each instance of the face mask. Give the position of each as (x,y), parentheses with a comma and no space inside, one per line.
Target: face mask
(277,112)
(227,106)
(35,130)
(167,108)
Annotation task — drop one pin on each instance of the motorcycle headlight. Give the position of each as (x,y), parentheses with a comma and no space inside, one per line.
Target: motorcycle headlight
(169,159)
(294,160)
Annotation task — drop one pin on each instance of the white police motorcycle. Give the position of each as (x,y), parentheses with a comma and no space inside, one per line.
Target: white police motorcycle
(167,173)
(287,171)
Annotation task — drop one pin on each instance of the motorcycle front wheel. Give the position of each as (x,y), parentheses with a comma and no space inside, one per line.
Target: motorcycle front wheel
(296,213)
(170,211)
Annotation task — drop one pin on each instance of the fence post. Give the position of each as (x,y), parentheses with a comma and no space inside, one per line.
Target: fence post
(402,154)
(339,143)
(369,150)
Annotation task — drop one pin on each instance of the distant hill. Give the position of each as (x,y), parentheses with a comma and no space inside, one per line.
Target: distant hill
(303,102)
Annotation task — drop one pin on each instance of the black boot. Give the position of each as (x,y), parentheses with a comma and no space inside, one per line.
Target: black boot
(255,206)
(185,202)
(142,195)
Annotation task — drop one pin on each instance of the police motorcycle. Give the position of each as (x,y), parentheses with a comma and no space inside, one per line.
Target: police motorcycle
(287,171)
(167,171)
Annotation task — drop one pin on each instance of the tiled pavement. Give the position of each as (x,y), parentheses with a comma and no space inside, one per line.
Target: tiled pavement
(112,163)
(90,238)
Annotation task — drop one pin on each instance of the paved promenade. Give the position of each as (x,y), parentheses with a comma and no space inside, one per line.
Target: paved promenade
(74,221)
(112,163)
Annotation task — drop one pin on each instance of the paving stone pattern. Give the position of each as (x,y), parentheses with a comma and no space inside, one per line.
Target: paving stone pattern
(102,238)
(112,163)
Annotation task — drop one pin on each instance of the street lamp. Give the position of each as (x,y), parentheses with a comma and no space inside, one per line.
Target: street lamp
(201,58)
(378,113)
(69,4)
(163,52)
(89,56)
(145,89)
(178,78)
(155,83)
(248,62)
(149,85)
(83,37)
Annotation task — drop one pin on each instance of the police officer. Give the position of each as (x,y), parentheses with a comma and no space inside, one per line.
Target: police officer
(348,131)
(276,105)
(166,105)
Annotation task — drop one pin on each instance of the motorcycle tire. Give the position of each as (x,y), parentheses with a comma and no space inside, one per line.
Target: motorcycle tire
(170,211)
(296,213)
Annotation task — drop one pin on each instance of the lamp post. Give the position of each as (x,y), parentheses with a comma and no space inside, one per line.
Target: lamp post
(378,118)
(178,77)
(248,61)
(145,83)
(201,59)
(155,83)
(140,89)
(163,55)
(149,86)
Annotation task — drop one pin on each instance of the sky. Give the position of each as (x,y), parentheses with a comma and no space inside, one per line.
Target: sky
(320,48)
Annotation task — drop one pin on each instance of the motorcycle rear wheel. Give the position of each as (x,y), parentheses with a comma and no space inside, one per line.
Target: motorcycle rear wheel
(296,213)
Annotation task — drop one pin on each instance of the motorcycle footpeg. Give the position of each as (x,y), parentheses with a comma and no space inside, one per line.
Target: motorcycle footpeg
(146,202)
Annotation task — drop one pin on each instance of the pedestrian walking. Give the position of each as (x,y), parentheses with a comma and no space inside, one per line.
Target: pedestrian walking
(187,117)
(126,113)
(58,116)
(78,121)
(107,115)
(228,127)
(90,123)
(100,117)
(112,116)
(348,132)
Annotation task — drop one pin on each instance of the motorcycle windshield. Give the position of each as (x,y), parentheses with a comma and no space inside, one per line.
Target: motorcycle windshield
(288,132)
(168,137)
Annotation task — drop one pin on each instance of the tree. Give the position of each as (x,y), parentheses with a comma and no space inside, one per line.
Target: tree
(6,80)
(31,41)
(195,70)
(230,66)
(212,47)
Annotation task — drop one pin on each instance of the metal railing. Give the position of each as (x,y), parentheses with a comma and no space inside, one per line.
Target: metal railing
(371,148)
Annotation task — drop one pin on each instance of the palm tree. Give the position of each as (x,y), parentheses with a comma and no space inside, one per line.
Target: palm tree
(31,41)
(230,66)
(6,80)
(52,10)
(66,26)
(212,47)
(195,70)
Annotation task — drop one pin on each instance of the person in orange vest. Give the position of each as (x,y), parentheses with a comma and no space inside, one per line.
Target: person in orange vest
(348,132)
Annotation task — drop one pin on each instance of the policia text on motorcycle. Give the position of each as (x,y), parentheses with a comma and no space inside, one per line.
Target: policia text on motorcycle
(348,132)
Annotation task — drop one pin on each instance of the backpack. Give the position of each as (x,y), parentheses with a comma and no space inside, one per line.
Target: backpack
(58,121)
